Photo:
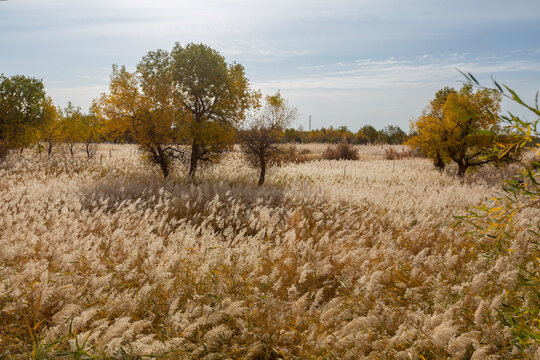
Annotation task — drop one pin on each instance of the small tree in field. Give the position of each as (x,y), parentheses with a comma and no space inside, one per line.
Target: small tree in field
(50,129)
(260,141)
(463,127)
(429,140)
(367,135)
(71,127)
(90,133)
(393,135)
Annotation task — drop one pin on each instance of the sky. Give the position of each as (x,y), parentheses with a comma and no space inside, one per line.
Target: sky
(351,63)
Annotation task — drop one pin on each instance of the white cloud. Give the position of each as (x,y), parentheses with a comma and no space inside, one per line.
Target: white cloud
(399,73)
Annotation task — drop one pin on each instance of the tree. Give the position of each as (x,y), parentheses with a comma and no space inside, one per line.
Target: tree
(90,133)
(260,141)
(367,134)
(71,127)
(430,140)
(215,94)
(393,135)
(50,129)
(22,111)
(292,136)
(145,104)
(463,127)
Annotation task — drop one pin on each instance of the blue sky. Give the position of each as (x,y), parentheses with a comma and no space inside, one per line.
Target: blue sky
(342,62)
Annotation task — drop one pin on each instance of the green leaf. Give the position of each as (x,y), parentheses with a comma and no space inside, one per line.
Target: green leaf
(474,79)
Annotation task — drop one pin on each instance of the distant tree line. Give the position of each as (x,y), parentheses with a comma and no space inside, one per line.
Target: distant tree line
(367,134)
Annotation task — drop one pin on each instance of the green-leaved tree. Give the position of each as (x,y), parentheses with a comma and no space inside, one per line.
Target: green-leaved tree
(22,111)
(215,94)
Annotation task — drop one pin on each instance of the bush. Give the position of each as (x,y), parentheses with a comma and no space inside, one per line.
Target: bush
(290,154)
(392,154)
(342,151)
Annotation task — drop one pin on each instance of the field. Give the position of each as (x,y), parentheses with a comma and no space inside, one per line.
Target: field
(328,260)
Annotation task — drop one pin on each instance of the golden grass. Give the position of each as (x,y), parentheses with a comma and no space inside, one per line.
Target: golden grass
(330,259)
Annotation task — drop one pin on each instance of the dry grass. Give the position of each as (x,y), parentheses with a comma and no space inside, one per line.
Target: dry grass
(330,259)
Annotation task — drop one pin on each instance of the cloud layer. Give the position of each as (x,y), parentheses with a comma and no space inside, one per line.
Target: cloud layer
(339,62)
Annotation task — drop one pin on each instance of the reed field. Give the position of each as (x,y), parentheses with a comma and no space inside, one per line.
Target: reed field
(104,258)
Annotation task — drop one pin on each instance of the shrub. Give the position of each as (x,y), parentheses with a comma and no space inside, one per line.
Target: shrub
(341,151)
(392,154)
(290,154)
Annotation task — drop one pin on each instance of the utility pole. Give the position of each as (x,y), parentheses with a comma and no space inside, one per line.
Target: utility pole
(309,122)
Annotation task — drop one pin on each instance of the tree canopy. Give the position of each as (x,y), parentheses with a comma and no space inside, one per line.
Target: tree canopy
(50,129)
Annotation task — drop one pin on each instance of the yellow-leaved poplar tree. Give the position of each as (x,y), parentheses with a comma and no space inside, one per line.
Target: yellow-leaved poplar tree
(462,127)
(50,129)
(71,127)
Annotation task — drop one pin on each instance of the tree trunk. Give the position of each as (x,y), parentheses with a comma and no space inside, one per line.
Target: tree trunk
(91,150)
(3,151)
(194,159)
(439,163)
(161,159)
(72,149)
(49,148)
(262,162)
(462,168)
(163,166)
